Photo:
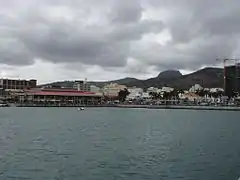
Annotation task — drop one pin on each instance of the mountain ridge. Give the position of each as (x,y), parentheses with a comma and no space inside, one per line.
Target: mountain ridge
(208,77)
(169,74)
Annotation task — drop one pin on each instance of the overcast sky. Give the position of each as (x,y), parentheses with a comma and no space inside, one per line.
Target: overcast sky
(108,39)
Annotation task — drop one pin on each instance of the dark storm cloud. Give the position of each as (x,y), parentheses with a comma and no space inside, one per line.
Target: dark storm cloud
(64,42)
(71,41)
(108,32)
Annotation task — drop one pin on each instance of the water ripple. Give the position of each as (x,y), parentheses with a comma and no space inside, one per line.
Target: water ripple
(118,144)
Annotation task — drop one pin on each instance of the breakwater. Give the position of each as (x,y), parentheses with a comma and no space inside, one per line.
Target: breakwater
(189,107)
(223,108)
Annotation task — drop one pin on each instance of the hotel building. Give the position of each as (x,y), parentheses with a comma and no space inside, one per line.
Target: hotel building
(17,84)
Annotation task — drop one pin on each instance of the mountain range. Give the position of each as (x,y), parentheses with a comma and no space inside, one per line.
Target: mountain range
(207,77)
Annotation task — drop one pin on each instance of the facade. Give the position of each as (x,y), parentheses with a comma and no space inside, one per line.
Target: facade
(213,90)
(112,90)
(167,89)
(190,96)
(81,86)
(152,89)
(135,93)
(94,88)
(60,96)
(145,95)
(17,84)
(195,88)
(232,80)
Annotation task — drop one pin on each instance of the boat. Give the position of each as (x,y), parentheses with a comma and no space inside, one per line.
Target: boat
(4,105)
(81,109)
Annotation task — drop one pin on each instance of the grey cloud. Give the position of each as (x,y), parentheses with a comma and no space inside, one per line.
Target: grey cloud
(13,52)
(135,31)
(196,18)
(126,11)
(109,32)
(185,56)
(205,30)
(69,41)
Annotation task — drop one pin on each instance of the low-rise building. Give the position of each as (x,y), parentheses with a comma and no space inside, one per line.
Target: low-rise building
(152,89)
(145,95)
(190,96)
(134,93)
(212,90)
(67,96)
(166,89)
(195,88)
(112,90)
(81,85)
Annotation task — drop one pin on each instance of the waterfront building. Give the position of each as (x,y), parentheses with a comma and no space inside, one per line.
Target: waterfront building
(152,89)
(190,96)
(81,85)
(195,88)
(17,84)
(63,96)
(145,95)
(112,89)
(134,93)
(213,90)
(166,89)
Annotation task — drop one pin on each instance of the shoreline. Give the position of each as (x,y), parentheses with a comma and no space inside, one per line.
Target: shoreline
(185,107)
(216,108)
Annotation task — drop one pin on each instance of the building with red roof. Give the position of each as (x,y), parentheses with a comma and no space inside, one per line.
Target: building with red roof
(61,95)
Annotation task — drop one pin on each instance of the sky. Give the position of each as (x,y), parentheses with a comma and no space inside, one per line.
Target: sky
(53,40)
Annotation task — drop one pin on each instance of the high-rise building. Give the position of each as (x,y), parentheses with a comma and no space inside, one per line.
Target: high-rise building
(17,84)
(232,80)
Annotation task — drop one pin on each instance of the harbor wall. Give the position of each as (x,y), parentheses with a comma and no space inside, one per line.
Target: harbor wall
(189,107)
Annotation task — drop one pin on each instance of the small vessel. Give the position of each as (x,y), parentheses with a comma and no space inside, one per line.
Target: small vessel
(4,105)
(81,108)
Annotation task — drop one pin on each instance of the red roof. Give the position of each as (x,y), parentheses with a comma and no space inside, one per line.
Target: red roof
(63,93)
(61,90)
(54,90)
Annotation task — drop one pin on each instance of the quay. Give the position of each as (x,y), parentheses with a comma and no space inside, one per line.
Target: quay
(190,107)
(186,107)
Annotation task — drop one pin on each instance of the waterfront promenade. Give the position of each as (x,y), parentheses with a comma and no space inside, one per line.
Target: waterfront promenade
(189,107)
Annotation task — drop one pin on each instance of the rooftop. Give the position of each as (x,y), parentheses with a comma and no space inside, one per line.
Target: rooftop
(60,92)
(51,93)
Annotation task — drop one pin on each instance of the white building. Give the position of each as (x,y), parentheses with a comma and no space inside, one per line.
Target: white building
(152,89)
(190,96)
(167,89)
(135,93)
(212,90)
(195,88)
(145,95)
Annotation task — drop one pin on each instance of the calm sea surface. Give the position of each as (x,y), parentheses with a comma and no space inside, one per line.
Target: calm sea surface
(118,144)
